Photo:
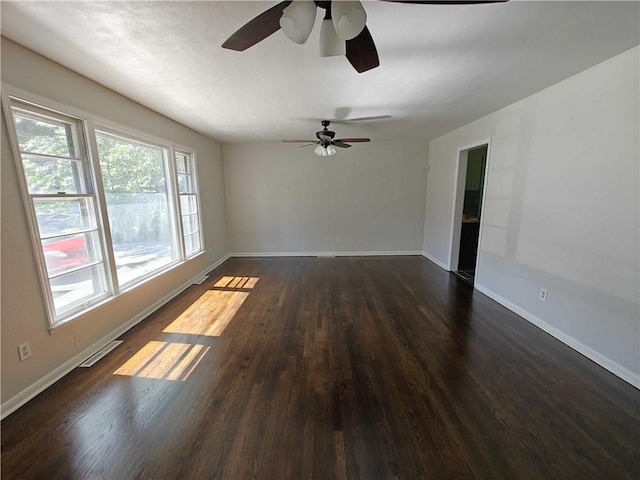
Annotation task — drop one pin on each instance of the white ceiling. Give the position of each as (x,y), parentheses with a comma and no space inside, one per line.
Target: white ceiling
(440,66)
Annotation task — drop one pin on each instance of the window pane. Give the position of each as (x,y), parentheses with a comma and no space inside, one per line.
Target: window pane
(43,136)
(138,206)
(59,216)
(192,243)
(188,204)
(77,287)
(52,175)
(184,184)
(181,163)
(70,252)
(190,224)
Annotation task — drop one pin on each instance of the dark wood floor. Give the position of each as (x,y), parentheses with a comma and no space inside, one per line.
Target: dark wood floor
(358,368)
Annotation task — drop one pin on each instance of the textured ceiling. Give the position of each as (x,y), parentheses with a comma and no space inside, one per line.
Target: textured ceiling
(440,66)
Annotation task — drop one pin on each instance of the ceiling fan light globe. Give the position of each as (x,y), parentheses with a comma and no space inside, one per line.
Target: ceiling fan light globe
(331,150)
(319,150)
(330,44)
(297,20)
(349,18)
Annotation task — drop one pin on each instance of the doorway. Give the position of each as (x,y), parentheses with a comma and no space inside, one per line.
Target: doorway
(471,178)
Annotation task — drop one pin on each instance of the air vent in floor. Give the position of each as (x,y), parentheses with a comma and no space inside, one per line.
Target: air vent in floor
(198,281)
(89,362)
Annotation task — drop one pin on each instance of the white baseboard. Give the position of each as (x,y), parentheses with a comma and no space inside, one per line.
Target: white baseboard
(436,261)
(605,362)
(325,254)
(45,382)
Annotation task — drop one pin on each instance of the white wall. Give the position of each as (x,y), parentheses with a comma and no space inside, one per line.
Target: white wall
(284,199)
(23,310)
(561,210)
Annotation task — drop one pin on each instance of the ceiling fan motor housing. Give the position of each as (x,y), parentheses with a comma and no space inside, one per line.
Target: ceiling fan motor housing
(325,136)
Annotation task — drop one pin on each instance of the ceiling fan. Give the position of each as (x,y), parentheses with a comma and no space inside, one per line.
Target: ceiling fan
(326,142)
(343,30)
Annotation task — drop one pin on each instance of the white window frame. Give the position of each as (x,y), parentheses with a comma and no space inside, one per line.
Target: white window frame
(40,108)
(169,171)
(87,126)
(193,173)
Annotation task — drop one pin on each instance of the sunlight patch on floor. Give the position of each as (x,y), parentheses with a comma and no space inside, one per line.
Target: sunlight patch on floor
(209,315)
(164,360)
(236,282)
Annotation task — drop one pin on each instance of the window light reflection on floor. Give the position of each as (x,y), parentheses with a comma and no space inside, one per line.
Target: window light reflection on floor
(208,316)
(236,282)
(164,360)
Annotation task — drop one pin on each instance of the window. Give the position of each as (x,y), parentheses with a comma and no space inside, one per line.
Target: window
(104,221)
(56,170)
(143,233)
(185,168)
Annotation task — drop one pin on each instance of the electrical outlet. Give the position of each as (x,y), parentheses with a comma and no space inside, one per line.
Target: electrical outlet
(543,294)
(338,239)
(24,351)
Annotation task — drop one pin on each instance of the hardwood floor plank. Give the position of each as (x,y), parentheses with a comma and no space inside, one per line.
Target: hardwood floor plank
(345,368)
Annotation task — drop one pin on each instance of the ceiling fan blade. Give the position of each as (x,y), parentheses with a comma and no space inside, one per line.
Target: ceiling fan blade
(362,53)
(446,2)
(352,140)
(299,141)
(257,29)
(340,144)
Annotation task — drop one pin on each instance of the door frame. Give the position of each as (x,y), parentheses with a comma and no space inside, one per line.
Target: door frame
(458,202)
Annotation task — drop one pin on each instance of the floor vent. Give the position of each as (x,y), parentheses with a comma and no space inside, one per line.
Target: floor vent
(91,361)
(200,280)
